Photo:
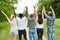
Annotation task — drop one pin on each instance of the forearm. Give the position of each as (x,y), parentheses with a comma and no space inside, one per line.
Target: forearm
(46,15)
(26,11)
(52,9)
(35,11)
(42,14)
(54,15)
(6,16)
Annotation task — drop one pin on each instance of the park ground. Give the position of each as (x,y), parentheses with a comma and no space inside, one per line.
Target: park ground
(5,28)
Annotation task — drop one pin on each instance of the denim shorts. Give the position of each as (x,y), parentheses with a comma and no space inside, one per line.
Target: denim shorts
(13,32)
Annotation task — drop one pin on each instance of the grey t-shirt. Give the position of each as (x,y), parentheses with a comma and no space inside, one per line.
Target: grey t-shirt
(32,21)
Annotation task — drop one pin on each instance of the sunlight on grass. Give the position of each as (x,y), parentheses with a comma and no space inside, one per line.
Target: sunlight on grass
(57,28)
(5,28)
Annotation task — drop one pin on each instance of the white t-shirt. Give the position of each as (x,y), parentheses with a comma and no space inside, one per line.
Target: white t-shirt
(30,4)
(40,25)
(13,24)
(21,23)
(20,6)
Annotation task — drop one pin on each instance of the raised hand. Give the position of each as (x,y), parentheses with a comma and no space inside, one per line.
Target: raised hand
(51,9)
(44,10)
(26,11)
(35,11)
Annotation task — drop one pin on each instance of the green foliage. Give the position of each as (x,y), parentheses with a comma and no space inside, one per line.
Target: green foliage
(6,7)
(56,5)
(47,3)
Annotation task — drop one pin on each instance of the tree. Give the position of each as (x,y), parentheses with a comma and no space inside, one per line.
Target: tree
(6,7)
(56,5)
(46,3)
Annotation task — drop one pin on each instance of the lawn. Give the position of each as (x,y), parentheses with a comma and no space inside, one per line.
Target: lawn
(57,29)
(5,28)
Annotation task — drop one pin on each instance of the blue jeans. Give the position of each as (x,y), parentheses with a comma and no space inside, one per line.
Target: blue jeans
(50,35)
(32,34)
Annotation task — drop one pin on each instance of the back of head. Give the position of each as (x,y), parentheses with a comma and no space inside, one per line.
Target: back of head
(50,13)
(32,17)
(20,15)
(40,19)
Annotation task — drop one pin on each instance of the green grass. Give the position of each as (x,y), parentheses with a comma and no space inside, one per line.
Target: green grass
(5,28)
(4,31)
(57,29)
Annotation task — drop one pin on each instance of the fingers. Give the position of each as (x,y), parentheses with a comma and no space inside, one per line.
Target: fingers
(44,10)
(51,7)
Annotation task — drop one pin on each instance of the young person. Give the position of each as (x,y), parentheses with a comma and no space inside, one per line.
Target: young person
(31,24)
(21,19)
(50,23)
(21,22)
(40,26)
(13,24)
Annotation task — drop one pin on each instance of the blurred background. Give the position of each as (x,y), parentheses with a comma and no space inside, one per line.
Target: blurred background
(6,6)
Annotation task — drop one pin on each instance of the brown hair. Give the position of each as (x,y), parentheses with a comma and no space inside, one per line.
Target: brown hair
(40,19)
(50,14)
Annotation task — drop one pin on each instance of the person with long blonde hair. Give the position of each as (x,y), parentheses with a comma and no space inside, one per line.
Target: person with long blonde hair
(13,30)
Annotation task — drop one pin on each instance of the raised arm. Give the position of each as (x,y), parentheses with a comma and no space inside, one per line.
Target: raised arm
(14,11)
(47,15)
(43,10)
(51,9)
(26,11)
(42,14)
(6,16)
(35,11)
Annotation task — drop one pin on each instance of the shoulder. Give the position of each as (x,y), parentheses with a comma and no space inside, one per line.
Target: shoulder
(24,17)
(17,18)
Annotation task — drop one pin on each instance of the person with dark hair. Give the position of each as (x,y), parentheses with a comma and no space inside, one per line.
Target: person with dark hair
(21,19)
(21,23)
(50,23)
(40,26)
(20,15)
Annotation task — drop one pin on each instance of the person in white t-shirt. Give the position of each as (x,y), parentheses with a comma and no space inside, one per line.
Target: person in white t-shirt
(21,22)
(13,24)
(21,19)
(40,26)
